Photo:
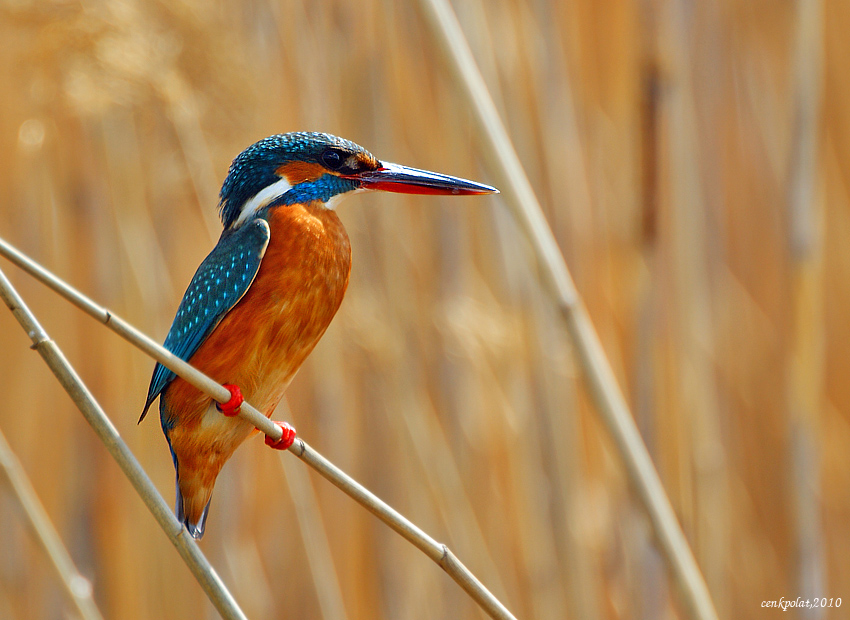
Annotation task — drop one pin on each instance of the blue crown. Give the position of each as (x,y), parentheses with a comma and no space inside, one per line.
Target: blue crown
(254,169)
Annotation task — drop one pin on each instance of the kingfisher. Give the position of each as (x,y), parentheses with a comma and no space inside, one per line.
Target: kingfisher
(264,296)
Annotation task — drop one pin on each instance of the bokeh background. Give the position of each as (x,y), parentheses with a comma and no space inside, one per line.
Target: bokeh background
(693,160)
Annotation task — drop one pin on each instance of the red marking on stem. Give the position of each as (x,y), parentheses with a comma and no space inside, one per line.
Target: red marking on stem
(286,439)
(231,408)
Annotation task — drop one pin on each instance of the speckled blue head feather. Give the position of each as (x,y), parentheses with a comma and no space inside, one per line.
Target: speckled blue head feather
(255,169)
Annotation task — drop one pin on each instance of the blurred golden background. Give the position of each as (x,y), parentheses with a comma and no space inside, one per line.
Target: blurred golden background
(693,160)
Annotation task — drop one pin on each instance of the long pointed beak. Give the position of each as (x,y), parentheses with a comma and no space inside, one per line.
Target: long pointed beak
(401,179)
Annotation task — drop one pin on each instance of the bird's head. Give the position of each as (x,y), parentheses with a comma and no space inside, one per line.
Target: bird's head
(304,167)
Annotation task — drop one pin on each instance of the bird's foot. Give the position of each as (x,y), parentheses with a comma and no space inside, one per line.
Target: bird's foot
(286,439)
(231,408)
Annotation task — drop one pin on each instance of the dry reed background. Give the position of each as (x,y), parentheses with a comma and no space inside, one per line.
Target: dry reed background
(670,143)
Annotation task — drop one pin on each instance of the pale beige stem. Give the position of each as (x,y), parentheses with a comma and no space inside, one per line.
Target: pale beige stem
(108,434)
(438,552)
(603,385)
(78,587)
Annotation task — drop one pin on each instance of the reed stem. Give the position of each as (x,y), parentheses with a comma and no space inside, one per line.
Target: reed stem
(603,385)
(438,552)
(108,434)
(78,587)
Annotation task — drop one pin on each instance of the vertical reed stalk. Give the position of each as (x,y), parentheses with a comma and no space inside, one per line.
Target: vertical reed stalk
(806,357)
(601,380)
(78,587)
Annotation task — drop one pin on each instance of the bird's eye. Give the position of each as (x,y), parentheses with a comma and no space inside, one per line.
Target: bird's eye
(332,159)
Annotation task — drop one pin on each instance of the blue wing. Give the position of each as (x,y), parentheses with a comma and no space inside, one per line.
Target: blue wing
(218,285)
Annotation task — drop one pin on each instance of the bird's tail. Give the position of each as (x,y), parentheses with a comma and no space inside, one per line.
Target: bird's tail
(195,526)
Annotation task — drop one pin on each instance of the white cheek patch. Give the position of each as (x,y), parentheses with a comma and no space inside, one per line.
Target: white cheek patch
(262,199)
(334,200)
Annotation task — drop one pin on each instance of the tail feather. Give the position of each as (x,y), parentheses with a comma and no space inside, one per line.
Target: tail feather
(196,530)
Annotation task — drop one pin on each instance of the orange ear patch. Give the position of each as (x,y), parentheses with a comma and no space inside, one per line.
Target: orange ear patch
(367,161)
(300,171)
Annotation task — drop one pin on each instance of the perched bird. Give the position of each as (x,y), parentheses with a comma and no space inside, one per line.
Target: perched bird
(261,300)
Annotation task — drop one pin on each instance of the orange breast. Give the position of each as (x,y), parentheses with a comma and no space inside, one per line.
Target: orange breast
(264,339)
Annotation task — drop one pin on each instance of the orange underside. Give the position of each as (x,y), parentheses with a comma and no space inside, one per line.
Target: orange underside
(261,342)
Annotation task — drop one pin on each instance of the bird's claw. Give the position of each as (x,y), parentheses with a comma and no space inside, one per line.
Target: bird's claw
(231,408)
(286,438)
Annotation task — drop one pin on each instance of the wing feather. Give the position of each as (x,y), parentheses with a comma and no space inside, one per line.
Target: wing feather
(218,285)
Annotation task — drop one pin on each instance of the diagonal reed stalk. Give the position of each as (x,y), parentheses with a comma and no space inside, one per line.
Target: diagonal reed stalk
(108,434)
(78,587)
(439,553)
(603,385)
